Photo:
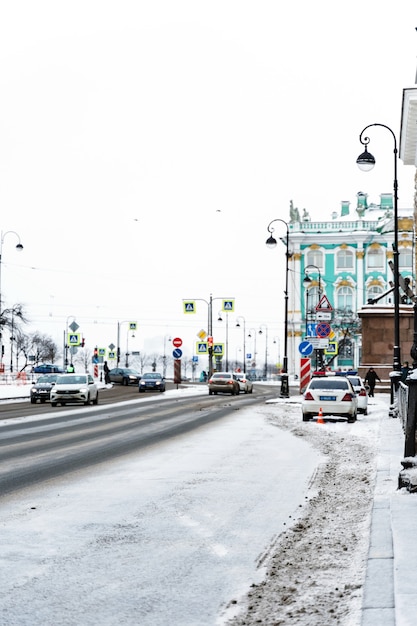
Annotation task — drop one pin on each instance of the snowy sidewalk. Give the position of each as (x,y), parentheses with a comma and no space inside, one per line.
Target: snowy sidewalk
(390,594)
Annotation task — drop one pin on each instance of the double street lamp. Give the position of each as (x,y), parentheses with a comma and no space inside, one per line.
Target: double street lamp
(244,339)
(266,349)
(271,242)
(366,162)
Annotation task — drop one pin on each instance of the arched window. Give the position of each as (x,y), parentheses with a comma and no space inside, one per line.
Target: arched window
(375,258)
(405,258)
(344,259)
(374,292)
(345,298)
(314,257)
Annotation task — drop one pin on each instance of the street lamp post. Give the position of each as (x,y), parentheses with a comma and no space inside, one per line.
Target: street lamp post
(164,358)
(307,281)
(366,162)
(132,327)
(252,334)
(220,319)
(271,242)
(244,339)
(209,323)
(19,247)
(266,349)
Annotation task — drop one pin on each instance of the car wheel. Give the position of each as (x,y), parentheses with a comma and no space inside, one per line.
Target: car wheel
(250,390)
(87,402)
(210,392)
(306,417)
(125,382)
(365,412)
(53,403)
(43,400)
(33,400)
(95,401)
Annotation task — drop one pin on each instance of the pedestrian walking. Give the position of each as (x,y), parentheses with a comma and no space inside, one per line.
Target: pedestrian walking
(106,373)
(405,370)
(370,379)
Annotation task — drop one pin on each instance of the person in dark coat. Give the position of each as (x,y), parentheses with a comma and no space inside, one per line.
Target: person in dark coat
(370,379)
(405,370)
(106,373)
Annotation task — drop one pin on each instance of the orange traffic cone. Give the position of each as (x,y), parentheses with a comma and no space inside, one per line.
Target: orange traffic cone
(320,419)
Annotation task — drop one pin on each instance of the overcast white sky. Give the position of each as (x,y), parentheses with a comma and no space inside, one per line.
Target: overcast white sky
(146,145)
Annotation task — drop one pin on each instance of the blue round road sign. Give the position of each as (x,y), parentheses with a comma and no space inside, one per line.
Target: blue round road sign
(177,353)
(305,348)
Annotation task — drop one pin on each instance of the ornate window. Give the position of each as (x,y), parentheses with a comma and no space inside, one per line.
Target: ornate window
(405,258)
(344,259)
(374,292)
(375,258)
(344,298)
(314,256)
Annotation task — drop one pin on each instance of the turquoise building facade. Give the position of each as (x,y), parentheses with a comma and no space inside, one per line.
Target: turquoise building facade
(344,262)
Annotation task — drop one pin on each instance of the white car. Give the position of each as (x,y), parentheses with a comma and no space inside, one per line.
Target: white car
(333,395)
(361,393)
(79,388)
(245,384)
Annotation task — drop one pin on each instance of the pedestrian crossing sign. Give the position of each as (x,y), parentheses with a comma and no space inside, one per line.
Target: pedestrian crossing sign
(218,349)
(189,306)
(228,306)
(202,347)
(74,339)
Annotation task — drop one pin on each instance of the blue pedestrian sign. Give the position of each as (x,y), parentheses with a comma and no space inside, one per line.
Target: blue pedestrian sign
(177,353)
(305,348)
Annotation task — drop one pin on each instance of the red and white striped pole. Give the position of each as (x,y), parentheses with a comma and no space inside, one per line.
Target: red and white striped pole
(305,373)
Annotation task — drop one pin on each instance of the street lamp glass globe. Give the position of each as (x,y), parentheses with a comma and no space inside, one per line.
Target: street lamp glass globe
(365,161)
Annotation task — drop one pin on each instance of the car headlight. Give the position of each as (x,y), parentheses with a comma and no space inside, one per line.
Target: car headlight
(83,390)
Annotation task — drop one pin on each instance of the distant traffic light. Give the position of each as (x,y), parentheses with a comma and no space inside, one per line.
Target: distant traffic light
(82,342)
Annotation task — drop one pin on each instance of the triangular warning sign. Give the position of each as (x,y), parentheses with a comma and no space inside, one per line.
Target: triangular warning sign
(324,304)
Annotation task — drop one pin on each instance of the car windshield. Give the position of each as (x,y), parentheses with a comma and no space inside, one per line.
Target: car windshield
(222,376)
(48,378)
(152,376)
(72,380)
(327,383)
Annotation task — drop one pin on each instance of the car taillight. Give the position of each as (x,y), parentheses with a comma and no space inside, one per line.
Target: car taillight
(362,392)
(308,396)
(347,397)
(230,382)
(210,381)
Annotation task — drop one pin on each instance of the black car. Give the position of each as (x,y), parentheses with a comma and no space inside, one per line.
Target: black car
(41,390)
(152,381)
(124,375)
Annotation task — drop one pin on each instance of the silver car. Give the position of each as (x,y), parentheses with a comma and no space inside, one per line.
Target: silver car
(223,382)
(245,384)
(78,388)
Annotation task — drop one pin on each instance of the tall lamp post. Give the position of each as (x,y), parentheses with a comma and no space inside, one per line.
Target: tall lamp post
(252,334)
(307,282)
(244,339)
(366,162)
(189,307)
(19,247)
(266,349)
(271,242)
(220,319)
